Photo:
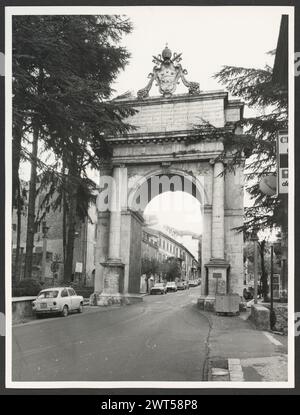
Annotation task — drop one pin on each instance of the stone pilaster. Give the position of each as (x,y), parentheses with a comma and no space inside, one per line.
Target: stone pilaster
(218,212)
(101,249)
(206,246)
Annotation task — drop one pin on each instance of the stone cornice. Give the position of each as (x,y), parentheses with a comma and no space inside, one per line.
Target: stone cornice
(158,100)
(159,158)
(171,136)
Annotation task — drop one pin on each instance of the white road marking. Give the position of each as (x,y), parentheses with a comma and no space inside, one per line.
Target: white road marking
(272,339)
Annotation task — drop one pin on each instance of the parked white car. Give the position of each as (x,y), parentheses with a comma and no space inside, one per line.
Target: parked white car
(61,300)
(171,286)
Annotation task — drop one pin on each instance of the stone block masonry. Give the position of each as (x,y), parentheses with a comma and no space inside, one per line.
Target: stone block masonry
(165,143)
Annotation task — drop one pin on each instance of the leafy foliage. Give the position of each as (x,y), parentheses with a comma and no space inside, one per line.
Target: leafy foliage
(26,287)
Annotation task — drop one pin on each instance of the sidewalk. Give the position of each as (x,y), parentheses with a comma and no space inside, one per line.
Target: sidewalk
(239,352)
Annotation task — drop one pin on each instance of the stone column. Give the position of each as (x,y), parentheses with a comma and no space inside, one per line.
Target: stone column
(218,212)
(115,216)
(101,252)
(217,266)
(113,268)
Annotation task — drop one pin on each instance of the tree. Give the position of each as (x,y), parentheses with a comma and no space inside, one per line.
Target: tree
(68,103)
(257,88)
(173,270)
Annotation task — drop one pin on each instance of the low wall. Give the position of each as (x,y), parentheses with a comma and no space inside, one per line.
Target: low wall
(260,316)
(21,308)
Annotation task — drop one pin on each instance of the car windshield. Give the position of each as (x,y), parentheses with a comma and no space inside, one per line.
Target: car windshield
(48,294)
(159,284)
(171,283)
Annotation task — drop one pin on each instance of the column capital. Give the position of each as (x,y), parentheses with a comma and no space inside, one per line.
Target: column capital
(214,161)
(119,165)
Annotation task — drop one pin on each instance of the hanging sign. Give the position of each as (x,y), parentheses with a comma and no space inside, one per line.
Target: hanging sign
(283,167)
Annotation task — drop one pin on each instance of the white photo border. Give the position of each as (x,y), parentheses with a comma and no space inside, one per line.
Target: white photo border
(84,10)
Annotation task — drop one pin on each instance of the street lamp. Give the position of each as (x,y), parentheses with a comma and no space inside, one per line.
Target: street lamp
(254,239)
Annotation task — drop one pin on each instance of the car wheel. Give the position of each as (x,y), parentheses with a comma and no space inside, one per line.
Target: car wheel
(80,309)
(65,311)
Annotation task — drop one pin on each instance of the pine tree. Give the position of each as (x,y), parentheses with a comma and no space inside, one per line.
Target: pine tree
(258,90)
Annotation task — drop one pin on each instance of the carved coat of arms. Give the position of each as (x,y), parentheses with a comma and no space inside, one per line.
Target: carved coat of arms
(167,75)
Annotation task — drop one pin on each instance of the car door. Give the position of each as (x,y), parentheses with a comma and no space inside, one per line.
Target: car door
(66,299)
(72,297)
(75,299)
(78,299)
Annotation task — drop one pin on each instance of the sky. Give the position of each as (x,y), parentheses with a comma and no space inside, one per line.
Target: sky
(208,38)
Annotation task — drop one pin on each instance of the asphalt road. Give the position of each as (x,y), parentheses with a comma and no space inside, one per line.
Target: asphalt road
(162,338)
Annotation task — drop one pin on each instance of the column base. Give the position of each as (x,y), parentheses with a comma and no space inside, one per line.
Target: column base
(206,302)
(102,299)
(113,277)
(217,276)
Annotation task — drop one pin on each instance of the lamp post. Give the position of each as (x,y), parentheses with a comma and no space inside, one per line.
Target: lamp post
(254,239)
(45,230)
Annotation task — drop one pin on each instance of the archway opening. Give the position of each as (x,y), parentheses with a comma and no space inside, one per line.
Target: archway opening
(172,239)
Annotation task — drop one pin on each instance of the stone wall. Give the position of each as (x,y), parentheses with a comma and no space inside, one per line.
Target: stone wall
(179,112)
(22,308)
(131,242)
(135,255)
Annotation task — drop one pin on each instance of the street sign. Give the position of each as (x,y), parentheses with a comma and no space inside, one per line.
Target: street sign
(217,275)
(283,167)
(78,267)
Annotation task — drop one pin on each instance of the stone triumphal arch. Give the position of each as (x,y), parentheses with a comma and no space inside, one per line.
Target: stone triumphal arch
(167,152)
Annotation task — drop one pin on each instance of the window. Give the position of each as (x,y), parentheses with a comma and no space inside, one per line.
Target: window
(48,294)
(64,293)
(14,227)
(71,291)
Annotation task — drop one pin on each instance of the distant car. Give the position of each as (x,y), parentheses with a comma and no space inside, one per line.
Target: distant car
(171,286)
(158,288)
(62,300)
(182,285)
(193,283)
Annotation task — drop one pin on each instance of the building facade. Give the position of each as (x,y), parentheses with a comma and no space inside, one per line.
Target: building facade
(49,250)
(159,245)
